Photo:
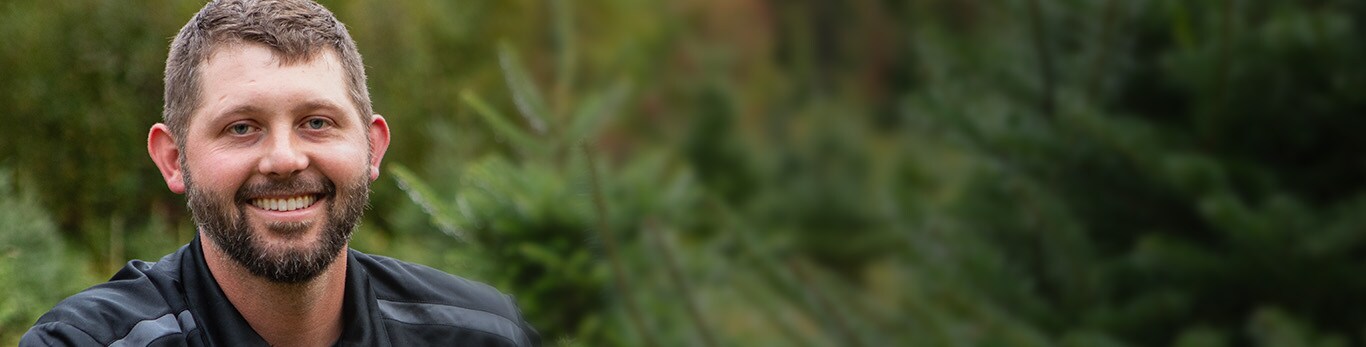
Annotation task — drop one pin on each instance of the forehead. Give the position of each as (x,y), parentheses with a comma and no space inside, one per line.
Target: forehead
(247,74)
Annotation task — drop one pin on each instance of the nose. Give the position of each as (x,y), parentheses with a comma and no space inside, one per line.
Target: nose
(283,158)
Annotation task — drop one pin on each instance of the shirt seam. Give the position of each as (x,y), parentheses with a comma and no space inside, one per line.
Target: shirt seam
(183,335)
(516,323)
(73,326)
(500,315)
(508,339)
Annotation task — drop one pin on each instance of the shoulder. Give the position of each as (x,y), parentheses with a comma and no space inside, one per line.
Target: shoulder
(416,294)
(110,311)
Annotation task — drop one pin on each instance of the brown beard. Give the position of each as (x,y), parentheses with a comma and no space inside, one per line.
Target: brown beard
(231,233)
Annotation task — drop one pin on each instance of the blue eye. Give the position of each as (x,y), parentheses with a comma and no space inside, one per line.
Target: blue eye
(316,123)
(239,129)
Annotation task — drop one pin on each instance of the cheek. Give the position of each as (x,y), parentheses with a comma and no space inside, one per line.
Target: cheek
(218,171)
(344,163)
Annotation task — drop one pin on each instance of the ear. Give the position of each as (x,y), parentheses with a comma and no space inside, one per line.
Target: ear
(162,147)
(379,143)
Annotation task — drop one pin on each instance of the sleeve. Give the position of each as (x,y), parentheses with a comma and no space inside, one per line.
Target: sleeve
(533,339)
(56,334)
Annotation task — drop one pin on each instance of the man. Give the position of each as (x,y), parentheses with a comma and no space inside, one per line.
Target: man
(268,130)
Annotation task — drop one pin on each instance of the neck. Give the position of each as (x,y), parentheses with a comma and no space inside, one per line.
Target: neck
(284,314)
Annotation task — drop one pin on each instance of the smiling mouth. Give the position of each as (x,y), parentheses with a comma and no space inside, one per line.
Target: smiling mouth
(284,204)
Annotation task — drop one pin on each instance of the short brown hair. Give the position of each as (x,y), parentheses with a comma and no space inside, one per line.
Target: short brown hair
(295,31)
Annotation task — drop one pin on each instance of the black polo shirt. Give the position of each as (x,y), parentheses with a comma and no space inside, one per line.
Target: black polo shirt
(176,302)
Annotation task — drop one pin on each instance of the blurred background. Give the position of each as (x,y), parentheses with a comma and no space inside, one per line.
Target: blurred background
(778,173)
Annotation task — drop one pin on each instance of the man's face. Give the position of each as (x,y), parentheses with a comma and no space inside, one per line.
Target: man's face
(276,161)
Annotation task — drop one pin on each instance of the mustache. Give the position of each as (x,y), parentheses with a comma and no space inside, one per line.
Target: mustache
(298,185)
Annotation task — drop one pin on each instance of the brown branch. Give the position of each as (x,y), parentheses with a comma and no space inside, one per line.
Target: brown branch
(680,281)
(1047,104)
(1225,52)
(609,245)
(821,300)
(1107,29)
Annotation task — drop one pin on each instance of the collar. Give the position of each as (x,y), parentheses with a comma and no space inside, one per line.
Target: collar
(222,325)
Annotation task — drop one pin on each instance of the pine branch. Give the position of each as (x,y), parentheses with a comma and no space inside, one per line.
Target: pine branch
(609,245)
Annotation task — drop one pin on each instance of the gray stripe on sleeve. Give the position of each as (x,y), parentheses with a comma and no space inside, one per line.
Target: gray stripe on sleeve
(186,321)
(149,330)
(417,313)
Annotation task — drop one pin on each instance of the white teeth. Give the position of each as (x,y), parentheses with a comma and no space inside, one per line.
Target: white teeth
(289,204)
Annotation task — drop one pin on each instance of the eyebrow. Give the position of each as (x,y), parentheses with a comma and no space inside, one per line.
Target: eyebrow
(318,104)
(242,109)
(305,107)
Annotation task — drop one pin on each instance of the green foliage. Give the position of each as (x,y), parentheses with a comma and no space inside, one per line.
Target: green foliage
(1136,212)
(36,269)
(82,86)
(529,219)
